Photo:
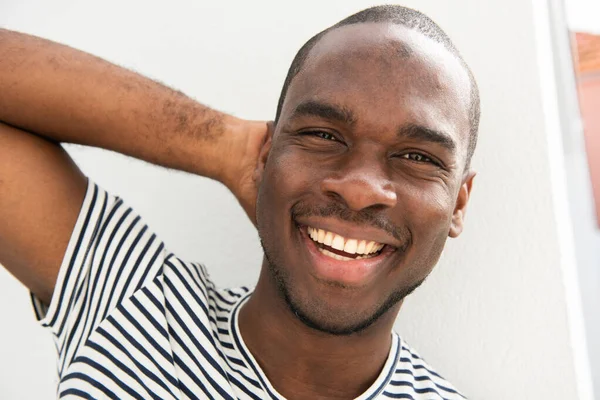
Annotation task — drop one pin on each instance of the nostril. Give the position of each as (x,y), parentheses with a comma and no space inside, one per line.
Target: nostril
(359,191)
(336,198)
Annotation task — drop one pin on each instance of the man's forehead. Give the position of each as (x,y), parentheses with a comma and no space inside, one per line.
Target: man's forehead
(346,39)
(391,42)
(362,64)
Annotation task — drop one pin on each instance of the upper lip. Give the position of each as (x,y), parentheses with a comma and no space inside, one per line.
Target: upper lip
(350,231)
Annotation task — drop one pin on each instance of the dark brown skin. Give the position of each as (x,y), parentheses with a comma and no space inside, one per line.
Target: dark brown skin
(387,78)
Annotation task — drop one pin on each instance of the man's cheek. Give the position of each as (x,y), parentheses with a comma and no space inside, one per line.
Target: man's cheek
(294,175)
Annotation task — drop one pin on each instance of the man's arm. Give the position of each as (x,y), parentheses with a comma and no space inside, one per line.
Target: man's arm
(70,96)
(52,93)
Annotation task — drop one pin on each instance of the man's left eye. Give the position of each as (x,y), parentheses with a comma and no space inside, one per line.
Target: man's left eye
(324,135)
(418,157)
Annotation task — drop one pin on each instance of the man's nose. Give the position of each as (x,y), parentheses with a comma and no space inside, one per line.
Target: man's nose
(360,184)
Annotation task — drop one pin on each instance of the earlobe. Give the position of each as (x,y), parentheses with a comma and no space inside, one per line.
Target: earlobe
(458,217)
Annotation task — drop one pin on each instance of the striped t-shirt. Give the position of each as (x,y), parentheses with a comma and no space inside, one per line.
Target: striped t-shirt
(132,321)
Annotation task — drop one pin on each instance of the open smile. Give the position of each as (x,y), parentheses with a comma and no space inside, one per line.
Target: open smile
(344,249)
(343,260)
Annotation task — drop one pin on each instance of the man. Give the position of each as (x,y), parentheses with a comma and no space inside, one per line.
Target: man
(354,189)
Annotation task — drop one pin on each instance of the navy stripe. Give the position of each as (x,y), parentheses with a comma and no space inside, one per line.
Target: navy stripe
(74,328)
(421,379)
(124,263)
(145,334)
(92,288)
(190,374)
(154,300)
(166,356)
(138,364)
(149,317)
(232,293)
(91,381)
(192,338)
(123,367)
(67,343)
(73,258)
(390,373)
(102,265)
(193,377)
(68,277)
(74,392)
(136,266)
(243,388)
(109,374)
(107,247)
(199,302)
(236,361)
(149,266)
(226,345)
(231,303)
(243,352)
(422,367)
(398,395)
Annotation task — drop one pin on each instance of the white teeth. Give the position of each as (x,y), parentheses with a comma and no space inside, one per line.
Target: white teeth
(350,246)
(336,256)
(338,242)
(328,238)
(362,245)
(321,236)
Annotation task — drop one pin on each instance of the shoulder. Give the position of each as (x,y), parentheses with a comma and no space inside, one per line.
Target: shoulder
(414,375)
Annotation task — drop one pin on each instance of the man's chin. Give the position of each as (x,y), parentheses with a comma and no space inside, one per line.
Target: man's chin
(329,325)
(316,312)
(324,318)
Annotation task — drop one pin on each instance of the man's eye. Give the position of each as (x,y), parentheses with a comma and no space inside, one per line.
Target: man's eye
(322,135)
(418,157)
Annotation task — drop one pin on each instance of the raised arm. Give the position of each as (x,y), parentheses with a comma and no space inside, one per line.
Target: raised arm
(51,93)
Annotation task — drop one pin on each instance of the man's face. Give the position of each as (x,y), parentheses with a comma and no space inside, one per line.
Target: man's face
(365,177)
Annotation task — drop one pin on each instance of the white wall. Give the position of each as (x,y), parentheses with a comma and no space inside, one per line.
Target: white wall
(494,316)
(581,15)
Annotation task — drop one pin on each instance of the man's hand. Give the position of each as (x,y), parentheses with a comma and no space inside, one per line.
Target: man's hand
(240,170)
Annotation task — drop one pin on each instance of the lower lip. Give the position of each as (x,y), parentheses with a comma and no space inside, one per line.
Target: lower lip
(348,273)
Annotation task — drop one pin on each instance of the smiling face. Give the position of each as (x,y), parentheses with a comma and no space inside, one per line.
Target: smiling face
(365,176)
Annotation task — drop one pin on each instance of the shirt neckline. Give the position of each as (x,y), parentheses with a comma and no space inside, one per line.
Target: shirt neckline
(374,390)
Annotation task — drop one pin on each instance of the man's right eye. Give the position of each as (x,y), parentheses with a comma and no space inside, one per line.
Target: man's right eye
(321,134)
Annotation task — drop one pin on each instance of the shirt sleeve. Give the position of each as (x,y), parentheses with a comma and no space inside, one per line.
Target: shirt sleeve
(111,254)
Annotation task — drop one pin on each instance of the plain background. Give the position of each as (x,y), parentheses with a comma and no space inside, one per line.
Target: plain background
(497,317)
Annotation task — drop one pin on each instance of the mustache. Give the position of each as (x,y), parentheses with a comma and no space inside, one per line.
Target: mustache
(366,217)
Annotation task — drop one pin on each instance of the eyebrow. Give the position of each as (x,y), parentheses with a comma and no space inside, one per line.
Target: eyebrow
(332,112)
(421,133)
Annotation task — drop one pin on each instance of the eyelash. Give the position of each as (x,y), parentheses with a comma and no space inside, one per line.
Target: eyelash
(407,156)
(320,134)
(423,157)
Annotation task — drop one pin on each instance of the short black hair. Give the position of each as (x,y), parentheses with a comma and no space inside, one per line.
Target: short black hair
(399,15)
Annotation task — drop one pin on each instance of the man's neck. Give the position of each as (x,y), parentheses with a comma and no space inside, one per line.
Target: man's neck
(301,362)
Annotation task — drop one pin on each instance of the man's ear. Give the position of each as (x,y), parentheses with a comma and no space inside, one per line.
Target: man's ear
(458,217)
(264,153)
